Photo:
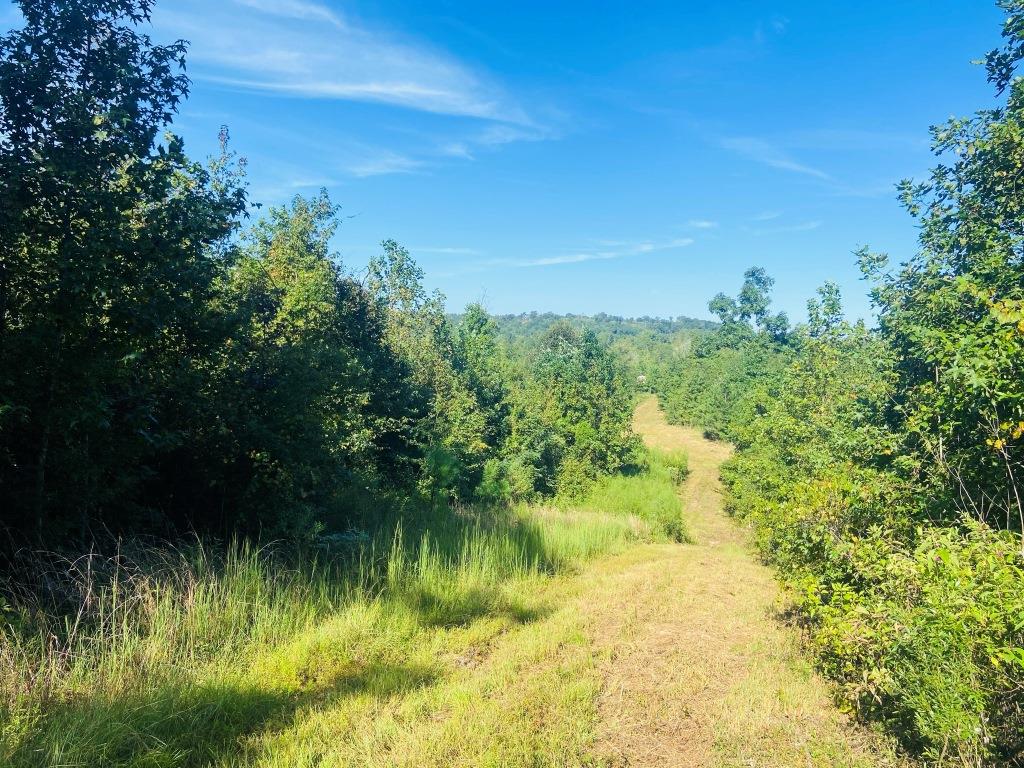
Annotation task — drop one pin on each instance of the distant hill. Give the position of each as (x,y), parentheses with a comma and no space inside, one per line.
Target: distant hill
(607,327)
(644,344)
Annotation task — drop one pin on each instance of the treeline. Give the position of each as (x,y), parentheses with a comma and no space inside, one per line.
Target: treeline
(527,325)
(645,345)
(882,469)
(166,366)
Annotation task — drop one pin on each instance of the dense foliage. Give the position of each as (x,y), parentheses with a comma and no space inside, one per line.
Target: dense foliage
(644,344)
(881,469)
(165,367)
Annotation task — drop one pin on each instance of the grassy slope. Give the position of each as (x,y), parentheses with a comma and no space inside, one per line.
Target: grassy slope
(458,647)
(557,637)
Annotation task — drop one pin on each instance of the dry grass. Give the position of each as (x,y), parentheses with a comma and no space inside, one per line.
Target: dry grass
(697,670)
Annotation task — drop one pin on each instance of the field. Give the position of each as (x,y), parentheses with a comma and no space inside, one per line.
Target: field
(581,634)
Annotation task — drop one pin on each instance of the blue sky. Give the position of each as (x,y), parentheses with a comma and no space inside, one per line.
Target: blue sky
(625,157)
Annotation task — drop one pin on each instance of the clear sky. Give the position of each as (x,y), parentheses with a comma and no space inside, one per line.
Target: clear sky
(627,157)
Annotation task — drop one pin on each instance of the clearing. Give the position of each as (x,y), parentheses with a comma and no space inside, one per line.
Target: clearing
(658,655)
(698,670)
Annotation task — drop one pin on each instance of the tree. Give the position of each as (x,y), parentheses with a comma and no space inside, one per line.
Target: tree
(481,363)
(451,426)
(955,312)
(306,404)
(587,401)
(110,245)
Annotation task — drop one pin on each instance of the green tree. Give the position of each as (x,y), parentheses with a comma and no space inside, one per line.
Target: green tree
(306,405)
(110,245)
(955,312)
(588,401)
(451,428)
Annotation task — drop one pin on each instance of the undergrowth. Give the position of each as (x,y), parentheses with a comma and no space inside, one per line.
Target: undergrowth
(180,656)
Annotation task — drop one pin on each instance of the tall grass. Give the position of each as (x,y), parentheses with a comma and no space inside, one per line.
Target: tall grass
(649,496)
(173,656)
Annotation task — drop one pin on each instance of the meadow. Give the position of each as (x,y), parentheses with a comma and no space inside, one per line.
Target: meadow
(199,655)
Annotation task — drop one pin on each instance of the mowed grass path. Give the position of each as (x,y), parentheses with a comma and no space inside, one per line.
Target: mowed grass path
(697,669)
(627,649)
(659,655)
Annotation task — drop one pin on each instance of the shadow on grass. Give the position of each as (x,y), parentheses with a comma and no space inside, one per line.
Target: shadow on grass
(185,726)
(461,607)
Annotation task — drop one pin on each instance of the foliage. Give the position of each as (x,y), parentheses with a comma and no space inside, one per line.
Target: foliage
(164,370)
(712,386)
(880,470)
(110,248)
(585,397)
(920,623)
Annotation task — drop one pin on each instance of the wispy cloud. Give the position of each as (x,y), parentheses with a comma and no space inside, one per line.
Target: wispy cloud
(768,154)
(702,224)
(383,163)
(612,249)
(494,135)
(457,149)
(294,9)
(303,48)
(636,249)
(766,216)
(805,226)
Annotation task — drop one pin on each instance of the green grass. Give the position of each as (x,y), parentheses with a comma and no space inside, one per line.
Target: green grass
(371,653)
(650,496)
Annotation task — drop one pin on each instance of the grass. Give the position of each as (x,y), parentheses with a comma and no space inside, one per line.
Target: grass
(651,496)
(700,669)
(387,649)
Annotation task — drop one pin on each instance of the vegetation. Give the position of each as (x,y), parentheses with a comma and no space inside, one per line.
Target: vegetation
(881,468)
(168,369)
(644,344)
(259,509)
(176,656)
(400,487)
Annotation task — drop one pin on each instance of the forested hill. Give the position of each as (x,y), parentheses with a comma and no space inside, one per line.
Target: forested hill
(607,327)
(642,344)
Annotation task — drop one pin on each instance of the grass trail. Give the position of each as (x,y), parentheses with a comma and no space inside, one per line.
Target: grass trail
(562,636)
(661,654)
(697,670)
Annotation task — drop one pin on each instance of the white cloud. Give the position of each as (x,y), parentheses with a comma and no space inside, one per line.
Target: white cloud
(702,224)
(767,154)
(494,135)
(383,163)
(457,149)
(295,9)
(636,249)
(302,48)
(805,226)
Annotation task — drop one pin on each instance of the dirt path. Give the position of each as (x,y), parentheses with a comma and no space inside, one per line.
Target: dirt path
(696,669)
